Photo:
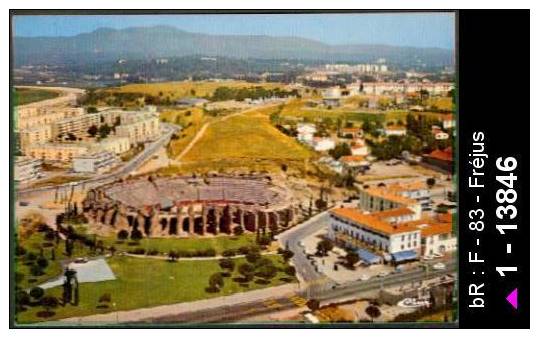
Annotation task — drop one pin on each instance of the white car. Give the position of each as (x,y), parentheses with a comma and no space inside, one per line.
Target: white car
(383,274)
(427,257)
(439,266)
(364,277)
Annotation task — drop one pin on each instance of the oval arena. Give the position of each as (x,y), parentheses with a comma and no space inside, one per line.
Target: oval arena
(186,206)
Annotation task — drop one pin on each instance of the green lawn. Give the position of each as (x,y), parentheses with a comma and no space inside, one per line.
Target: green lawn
(149,282)
(37,244)
(164,245)
(31,95)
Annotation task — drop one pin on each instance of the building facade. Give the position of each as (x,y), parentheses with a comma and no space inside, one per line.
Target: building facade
(96,162)
(27,169)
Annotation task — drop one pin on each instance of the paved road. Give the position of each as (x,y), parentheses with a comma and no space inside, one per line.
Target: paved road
(357,289)
(149,150)
(311,280)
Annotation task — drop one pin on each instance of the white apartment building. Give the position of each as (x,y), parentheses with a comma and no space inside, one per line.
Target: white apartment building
(114,144)
(96,162)
(27,169)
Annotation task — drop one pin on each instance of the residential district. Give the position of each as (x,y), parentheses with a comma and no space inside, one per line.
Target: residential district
(221,200)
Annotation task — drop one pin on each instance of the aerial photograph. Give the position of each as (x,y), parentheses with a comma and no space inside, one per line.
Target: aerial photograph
(233,169)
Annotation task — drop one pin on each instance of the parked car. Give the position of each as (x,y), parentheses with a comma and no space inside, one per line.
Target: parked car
(81,260)
(439,266)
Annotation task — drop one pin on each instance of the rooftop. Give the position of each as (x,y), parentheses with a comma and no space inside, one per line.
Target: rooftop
(388,194)
(372,221)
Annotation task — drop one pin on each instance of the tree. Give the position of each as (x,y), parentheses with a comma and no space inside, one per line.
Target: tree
(324,246)
(22,299)
(373,311)
(123,234)
(42,262)
(216,281)
(431,182)
(351,259)
(173,256)
(37,293)
(91,110)
(287,254)
(267,271)
(246,270)
(227,264)
(313,304)
(290,270)
(136,235)
(341,149)
(92,131)
(252,256)
(49,302)
(104,131)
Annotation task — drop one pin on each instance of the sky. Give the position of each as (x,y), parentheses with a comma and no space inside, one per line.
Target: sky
(404,29)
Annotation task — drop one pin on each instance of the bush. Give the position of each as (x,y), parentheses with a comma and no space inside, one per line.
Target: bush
(290,270)
(229,252)
(152,252)
(37,293)
(36,270)
(42,262)
(138,251)
(252,257)
(123,235)
(20,251)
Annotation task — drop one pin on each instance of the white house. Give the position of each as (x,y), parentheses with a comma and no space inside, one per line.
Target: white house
(306,132)
(449,121)
(359,149)
(395,130)
(323,144)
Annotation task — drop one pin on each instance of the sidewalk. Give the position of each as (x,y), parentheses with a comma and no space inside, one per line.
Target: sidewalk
(146,314)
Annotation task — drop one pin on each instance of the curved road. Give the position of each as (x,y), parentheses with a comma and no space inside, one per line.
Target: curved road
(134,163)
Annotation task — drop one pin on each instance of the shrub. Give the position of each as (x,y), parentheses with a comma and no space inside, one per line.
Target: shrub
(252,257)
(123,234)
(37,293)
(42,262)
(229,252)
(152,252)
(138,251)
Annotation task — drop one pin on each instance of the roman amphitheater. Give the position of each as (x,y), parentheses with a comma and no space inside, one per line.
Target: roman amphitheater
(187,206)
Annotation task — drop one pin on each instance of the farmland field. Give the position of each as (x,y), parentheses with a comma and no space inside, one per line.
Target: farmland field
(182,89)
(246,136)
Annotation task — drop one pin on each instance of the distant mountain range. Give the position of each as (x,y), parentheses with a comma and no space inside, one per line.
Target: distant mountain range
(107,44)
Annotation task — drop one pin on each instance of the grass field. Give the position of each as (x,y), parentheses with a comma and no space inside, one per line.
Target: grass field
(31,95)
(248,136)
(164,245)
(298,109)
(145,283)
(183,89)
